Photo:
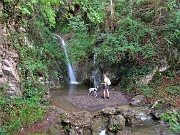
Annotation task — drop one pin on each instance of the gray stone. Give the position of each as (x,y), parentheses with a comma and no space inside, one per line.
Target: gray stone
(87,131)
(163,65)
(53,82)
(157,113)
(46,97)
(78,119)
(127,111)
(133,115)
(73,131)
(116,123)
(145,80)
(109,111)
(125,132)
(137,100)
(111,133)
(8,71)
(97,124)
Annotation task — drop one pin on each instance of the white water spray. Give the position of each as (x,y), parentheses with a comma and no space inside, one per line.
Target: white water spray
(103,132)
(70,69)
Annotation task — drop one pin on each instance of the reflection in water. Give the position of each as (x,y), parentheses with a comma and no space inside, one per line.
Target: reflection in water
(59,96)
(72,89)
(148,127)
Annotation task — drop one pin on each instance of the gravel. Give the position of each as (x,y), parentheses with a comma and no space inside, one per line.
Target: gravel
(91,103)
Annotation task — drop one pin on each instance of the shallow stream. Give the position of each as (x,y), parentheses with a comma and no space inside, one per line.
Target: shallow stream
(59,96)
(66,97)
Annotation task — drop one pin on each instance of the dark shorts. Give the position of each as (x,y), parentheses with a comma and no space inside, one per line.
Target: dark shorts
(107,87)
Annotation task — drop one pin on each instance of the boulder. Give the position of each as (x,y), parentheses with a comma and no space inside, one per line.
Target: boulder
(157,113)
(87,131)
(97,124)
(78,119)
(46,97)
(109,111)
(116,123)
(146,79)
(133,115)
(137,100)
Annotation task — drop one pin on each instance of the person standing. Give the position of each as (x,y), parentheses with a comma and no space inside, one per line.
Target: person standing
(106,84)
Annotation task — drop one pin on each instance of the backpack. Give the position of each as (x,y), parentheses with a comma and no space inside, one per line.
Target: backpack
(108,82)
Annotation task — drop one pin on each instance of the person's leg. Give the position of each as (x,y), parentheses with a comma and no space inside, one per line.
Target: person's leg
(104,93)
(107,93)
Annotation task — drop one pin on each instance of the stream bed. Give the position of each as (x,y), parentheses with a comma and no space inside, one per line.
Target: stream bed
(75,98)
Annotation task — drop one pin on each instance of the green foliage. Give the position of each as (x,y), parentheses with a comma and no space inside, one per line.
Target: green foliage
(19,111)
(122,8)
(80,48)
(81,45)
(38,54)
(129,38)
(171,29)
(173,117)
(171,73)
(147,91)
(48,13)
(77,24)
(93,9)
(67,128)
(29,9)
(116,128)
(130,74)
(173,90)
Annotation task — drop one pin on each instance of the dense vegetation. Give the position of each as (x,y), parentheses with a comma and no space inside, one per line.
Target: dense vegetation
(134,34)
(38,56)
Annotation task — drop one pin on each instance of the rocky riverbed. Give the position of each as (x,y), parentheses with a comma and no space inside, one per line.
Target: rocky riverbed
(81,114)
(91,103)
(80,100)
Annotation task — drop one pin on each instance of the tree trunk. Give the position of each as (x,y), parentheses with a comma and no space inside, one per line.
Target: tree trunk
(111,7)
(131,6)
(111,17)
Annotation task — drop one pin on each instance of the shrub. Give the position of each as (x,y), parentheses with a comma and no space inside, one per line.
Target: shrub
(18,112)
(173,117)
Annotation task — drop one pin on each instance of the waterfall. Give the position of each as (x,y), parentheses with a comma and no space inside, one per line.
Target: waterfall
(70,69)
(94,59)
(103,132)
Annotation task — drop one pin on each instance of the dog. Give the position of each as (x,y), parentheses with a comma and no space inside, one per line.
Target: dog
(93,91)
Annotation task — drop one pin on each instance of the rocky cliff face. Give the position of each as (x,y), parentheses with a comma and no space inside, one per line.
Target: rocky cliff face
(89,73)
(9,78)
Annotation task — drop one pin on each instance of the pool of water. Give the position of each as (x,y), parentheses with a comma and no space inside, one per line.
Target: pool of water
(59,99)
(148,127)
(70,89)
(76,97)
(58,96)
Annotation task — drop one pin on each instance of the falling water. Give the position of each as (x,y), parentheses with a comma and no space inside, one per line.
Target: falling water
(94,59)
(70,69)
(103,132)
